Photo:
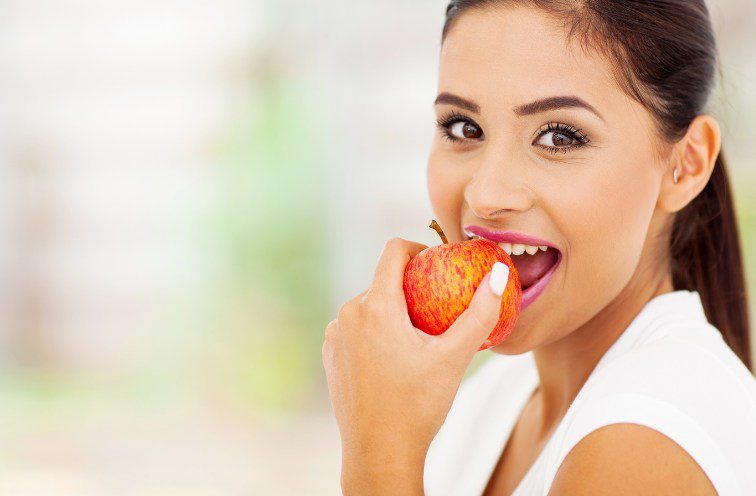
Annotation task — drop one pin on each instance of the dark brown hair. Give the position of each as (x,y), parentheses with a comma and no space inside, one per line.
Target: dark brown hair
(664,56)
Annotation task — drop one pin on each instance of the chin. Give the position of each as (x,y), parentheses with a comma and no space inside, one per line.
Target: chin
(515,344)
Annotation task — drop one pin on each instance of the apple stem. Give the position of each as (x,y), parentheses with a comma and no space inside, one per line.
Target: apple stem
(434,225)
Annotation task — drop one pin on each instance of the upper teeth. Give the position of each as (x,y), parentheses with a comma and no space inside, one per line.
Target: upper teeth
(519,249)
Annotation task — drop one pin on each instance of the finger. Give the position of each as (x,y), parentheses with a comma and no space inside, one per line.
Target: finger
(361,297)
(330,329)
(389,273)
(472,327)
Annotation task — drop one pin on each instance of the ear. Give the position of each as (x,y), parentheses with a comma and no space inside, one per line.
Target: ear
(694,156)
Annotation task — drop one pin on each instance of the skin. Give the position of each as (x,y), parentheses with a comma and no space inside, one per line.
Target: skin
(608,206)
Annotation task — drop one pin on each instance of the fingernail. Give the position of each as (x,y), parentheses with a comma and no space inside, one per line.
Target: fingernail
(499,278)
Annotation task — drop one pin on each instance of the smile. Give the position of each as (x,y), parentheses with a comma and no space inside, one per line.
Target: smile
(536,260)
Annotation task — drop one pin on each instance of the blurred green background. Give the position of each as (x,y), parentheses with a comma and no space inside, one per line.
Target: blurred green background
(188,193)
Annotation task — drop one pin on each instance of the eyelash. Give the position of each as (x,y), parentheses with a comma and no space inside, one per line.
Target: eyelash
(447,120)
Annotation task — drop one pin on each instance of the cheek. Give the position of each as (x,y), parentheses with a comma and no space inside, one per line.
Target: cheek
(609,217)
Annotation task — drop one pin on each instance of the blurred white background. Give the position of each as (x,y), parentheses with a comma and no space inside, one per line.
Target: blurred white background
(188,192)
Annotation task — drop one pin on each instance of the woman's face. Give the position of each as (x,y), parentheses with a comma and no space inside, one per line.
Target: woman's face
(592,193)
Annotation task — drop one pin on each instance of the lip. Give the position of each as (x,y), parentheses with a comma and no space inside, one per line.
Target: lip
(509,237)
(534,291)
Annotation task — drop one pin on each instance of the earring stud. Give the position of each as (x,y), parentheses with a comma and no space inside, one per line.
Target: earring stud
(674,174)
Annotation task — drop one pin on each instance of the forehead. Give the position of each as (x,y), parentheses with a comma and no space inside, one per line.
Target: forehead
(517,54)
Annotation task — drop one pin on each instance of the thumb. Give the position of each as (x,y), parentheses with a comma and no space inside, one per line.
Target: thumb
(473,326)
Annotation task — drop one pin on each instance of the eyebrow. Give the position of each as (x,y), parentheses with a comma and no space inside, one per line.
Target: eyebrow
(550,103)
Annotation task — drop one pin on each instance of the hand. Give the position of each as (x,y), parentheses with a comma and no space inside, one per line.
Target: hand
(392,385)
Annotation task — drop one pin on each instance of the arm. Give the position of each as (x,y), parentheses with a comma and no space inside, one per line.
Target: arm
(392,385)
(397,474)
(629,459)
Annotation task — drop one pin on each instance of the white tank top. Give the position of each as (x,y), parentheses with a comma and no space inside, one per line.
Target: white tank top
(669,370)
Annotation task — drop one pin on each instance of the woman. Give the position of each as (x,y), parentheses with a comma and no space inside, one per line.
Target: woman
(584,126)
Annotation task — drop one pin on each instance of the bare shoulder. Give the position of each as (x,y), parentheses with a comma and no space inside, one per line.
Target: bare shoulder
(626,458)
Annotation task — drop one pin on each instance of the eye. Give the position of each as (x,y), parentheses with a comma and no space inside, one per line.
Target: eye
(558,137)
(467,130)
(457,127)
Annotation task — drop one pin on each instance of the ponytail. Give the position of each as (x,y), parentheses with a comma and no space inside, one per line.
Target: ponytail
(706,257)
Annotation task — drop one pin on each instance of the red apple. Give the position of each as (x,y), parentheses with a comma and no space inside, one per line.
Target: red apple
(439,283)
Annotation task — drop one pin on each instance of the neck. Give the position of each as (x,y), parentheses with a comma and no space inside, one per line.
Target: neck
(564,365)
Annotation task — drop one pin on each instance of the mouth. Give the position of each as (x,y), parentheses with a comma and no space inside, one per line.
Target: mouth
(536,260)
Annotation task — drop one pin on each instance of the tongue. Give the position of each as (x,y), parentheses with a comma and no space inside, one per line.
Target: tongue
(531,267)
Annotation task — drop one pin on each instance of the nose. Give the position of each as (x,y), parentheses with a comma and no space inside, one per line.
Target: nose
(496,188)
